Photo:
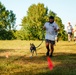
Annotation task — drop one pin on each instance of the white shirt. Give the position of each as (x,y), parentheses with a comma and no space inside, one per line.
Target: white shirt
(50,32)
(69,28)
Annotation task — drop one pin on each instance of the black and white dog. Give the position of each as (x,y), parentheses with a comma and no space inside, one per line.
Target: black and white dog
(33,49)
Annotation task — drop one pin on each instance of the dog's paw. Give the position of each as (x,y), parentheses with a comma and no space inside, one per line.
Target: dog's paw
(30,56)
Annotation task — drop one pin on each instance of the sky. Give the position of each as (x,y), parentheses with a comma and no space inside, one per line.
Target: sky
(65,9)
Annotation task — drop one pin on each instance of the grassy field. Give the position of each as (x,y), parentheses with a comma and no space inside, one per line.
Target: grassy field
(15,58)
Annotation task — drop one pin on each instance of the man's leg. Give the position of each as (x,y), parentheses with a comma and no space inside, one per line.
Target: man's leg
(47,47)
(68,37)
(52,50)
(52,43)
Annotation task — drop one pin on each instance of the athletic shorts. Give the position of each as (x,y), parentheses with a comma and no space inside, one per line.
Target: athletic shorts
(50,41)
(70,33)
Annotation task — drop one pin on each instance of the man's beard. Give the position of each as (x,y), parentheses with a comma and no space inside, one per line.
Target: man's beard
(51,22)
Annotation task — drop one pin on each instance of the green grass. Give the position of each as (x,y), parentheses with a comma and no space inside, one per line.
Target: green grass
(20,62)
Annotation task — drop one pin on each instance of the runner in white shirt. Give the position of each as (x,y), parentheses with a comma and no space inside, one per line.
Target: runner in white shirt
(69,29)
(51,27)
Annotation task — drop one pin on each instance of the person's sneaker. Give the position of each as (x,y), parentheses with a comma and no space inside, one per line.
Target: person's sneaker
(51,55)
(47,54)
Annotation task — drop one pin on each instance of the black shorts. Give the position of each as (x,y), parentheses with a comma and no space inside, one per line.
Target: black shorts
(50,41)
(70,33)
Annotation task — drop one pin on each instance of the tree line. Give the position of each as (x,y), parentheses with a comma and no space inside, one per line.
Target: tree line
(32,23)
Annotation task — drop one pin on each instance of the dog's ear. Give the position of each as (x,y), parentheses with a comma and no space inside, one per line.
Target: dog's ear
(33,44)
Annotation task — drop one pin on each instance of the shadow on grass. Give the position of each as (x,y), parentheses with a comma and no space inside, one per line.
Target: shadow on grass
(67,65)
(5,50)
(8,50)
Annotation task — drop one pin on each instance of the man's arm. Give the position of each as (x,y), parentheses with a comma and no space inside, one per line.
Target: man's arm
(44,27)
(56,28)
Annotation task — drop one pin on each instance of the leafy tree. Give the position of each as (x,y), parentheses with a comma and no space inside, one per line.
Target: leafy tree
(33,22)
(51,13)
(20,35)
(7,35)
(37,15)
(7,23)
(7,18)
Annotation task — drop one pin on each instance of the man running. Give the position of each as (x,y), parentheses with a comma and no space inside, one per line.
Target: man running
(51,28)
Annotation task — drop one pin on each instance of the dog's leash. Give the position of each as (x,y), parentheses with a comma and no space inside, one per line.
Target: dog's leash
(42,39)
(40,44)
